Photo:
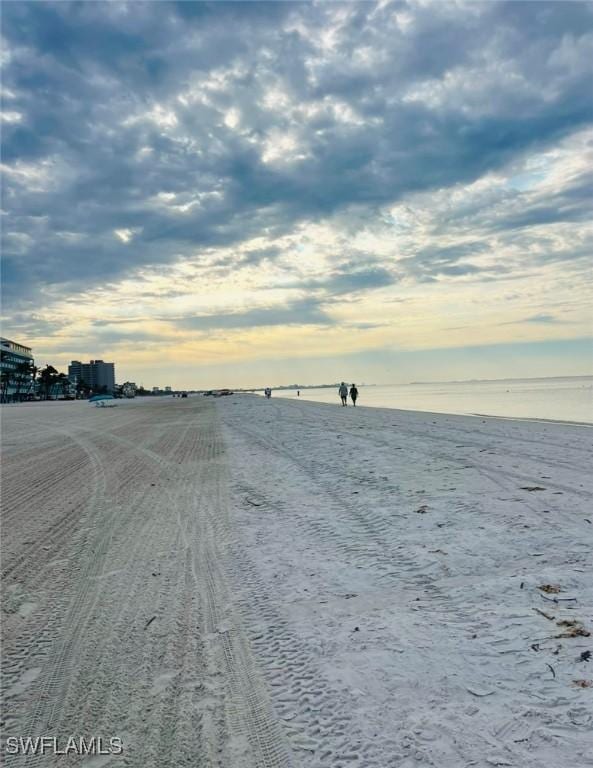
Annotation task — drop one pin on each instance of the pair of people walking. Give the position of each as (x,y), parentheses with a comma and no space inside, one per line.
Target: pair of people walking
(343,392)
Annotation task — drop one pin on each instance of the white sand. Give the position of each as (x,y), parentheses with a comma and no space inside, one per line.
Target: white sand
(252,583)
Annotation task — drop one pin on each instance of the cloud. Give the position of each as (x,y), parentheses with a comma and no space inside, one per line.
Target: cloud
(338,151)
(305,312)
(348,279)
(94,85)
(541,318)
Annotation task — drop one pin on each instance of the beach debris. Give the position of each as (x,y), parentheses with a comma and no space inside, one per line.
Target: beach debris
(534,646)
(583,683)
(422,510)
(550,588)
(479,692)
(575,631)
(156,573)
(586,519)
(551,668)
(585,656)
(544,614)
(532,488)
(149,622)
(356,629)
(559,599)
(253,503)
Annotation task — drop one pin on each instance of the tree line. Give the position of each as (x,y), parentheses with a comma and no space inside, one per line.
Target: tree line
(26,381)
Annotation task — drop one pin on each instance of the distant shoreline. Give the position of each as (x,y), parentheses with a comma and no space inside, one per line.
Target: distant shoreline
(294,387)
(487,381)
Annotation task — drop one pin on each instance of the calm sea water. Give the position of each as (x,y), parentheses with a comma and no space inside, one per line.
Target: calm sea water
(561,399)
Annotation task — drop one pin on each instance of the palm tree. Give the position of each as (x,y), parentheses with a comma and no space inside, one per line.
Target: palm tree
(34,372)
(82,389)
(62,383)
(47,378)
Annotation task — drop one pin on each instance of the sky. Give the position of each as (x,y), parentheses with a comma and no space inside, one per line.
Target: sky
(250,194)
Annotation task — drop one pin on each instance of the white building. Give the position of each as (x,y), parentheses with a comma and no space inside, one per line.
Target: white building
(15,383)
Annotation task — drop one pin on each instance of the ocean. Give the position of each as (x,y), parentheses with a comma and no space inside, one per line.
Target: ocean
(560,399)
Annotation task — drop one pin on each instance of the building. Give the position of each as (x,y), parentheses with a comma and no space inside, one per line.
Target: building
(15,383)
(96,374)
(168,389)
(128,389)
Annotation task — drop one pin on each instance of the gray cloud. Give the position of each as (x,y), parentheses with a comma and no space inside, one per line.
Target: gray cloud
(304,312)
(349,278)
(541,318)
(121,104)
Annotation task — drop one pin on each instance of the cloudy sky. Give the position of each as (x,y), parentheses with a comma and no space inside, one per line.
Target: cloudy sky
(251,193)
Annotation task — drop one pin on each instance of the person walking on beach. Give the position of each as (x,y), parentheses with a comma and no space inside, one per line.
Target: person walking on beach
(343,392)
(353,394)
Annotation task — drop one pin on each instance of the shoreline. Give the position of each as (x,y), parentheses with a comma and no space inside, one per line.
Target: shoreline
(441,413)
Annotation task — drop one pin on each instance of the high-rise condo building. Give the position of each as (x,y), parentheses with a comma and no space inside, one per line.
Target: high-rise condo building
(99,376)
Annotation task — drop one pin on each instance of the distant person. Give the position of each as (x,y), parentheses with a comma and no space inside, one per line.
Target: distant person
(343,392)
(298,392)
(353,393)
(268,392)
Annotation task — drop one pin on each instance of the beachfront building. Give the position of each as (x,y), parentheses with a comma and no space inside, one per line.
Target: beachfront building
(128,389)
(16,363)
(96,374)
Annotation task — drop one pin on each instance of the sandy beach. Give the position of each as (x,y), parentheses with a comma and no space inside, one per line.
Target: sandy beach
(242,582)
